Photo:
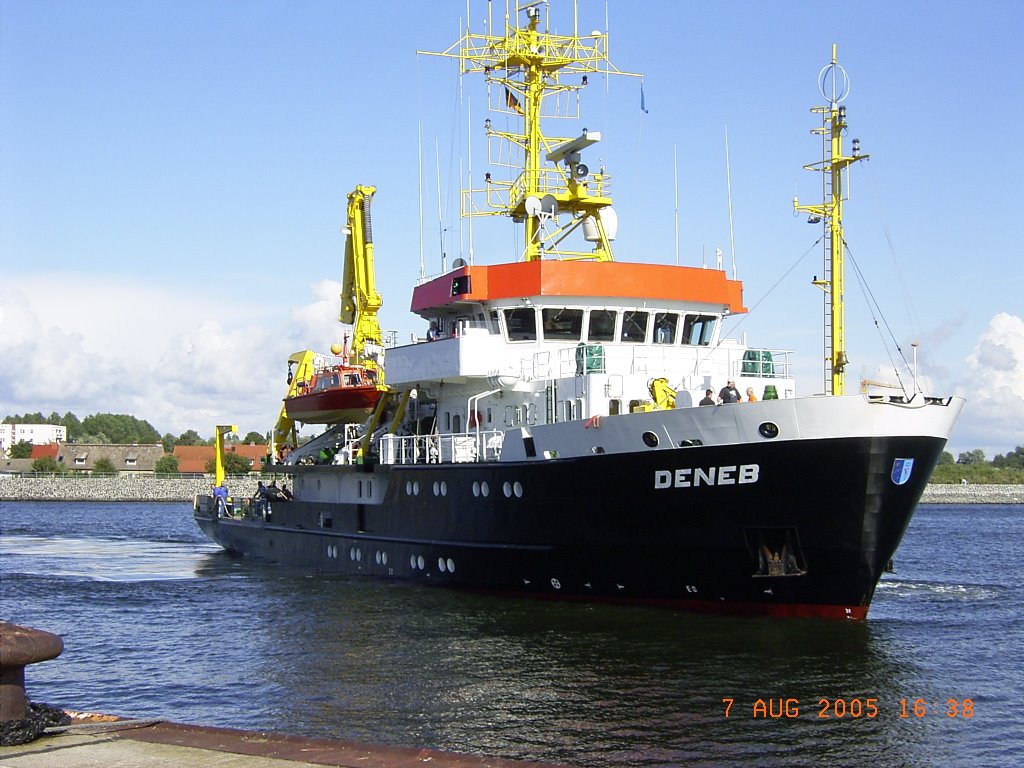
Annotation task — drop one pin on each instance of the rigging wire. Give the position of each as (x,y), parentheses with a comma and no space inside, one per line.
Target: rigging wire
(907,300)
(873,305)
(768,293)
(724,334)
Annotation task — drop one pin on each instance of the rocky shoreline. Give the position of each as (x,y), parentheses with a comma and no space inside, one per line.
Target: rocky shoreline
(150,488)
(114,488)
(973,494)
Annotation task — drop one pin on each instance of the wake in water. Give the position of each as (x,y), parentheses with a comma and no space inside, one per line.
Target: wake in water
(936,589)
(103,559)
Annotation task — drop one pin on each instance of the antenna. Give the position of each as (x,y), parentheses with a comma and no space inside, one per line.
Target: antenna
(419,189)
(675,168)
(728,186)
(469,171)
(440,218)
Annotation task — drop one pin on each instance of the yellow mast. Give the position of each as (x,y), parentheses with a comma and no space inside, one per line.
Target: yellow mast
(830,212)
(528,64)
(218,442)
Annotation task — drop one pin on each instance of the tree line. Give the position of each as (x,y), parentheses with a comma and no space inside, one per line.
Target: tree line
(114,428)
(973,467)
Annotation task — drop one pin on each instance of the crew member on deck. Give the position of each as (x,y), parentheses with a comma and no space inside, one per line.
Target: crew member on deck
(729,393)
(220,498)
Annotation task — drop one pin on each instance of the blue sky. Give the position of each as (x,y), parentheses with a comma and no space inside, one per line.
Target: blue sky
(173,179)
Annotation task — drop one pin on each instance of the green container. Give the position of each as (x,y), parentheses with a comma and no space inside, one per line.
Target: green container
(770,393)
(758,362)
(589,358)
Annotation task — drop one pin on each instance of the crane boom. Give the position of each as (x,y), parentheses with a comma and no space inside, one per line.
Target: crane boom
(360,300)
(360,303)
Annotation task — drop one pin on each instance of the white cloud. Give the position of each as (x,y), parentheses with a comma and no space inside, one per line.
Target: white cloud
(994,388)
(88,345)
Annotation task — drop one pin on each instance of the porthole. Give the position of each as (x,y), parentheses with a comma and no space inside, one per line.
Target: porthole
(412,562)
(421,563)
(437,488)
(377,556)
(416,488)
(507,488)
(768,429)
(444,488)
(441,564)
(485,489)
(451,565)
(517,489)
(476,488)
(408,487)
(650,439)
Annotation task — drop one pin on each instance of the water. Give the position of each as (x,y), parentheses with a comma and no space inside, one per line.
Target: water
(158,622)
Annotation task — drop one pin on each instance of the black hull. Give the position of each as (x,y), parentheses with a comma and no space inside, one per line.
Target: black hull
(625,527)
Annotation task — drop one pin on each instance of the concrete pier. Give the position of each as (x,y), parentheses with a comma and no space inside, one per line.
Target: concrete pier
(152,744)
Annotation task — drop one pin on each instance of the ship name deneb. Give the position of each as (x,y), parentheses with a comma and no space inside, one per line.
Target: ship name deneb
(693,477)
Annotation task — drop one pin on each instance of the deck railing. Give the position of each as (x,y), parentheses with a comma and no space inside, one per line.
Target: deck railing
(482,445)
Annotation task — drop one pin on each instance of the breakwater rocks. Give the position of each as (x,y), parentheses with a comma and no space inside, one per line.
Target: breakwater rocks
(973,494)
(150,488)
(114,488)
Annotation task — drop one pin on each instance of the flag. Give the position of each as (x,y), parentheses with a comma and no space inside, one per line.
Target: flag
(512,102)
(643,103)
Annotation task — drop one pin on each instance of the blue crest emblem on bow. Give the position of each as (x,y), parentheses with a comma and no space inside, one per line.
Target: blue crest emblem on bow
(901,469)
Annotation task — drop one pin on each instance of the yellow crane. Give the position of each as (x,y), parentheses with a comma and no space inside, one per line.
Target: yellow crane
(360,303)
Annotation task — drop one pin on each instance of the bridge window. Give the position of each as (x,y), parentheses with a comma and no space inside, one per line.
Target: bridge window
(601,325)
(665,324)
(634,326)
(699,329)
(563,324)
(521,324)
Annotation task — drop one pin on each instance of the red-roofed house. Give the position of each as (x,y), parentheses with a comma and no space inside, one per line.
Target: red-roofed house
(43,451)
(192,459)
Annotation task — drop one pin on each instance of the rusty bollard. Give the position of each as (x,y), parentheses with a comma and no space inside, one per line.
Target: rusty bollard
(19,647)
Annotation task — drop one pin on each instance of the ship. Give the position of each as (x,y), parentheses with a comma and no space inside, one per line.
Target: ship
(548,438)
